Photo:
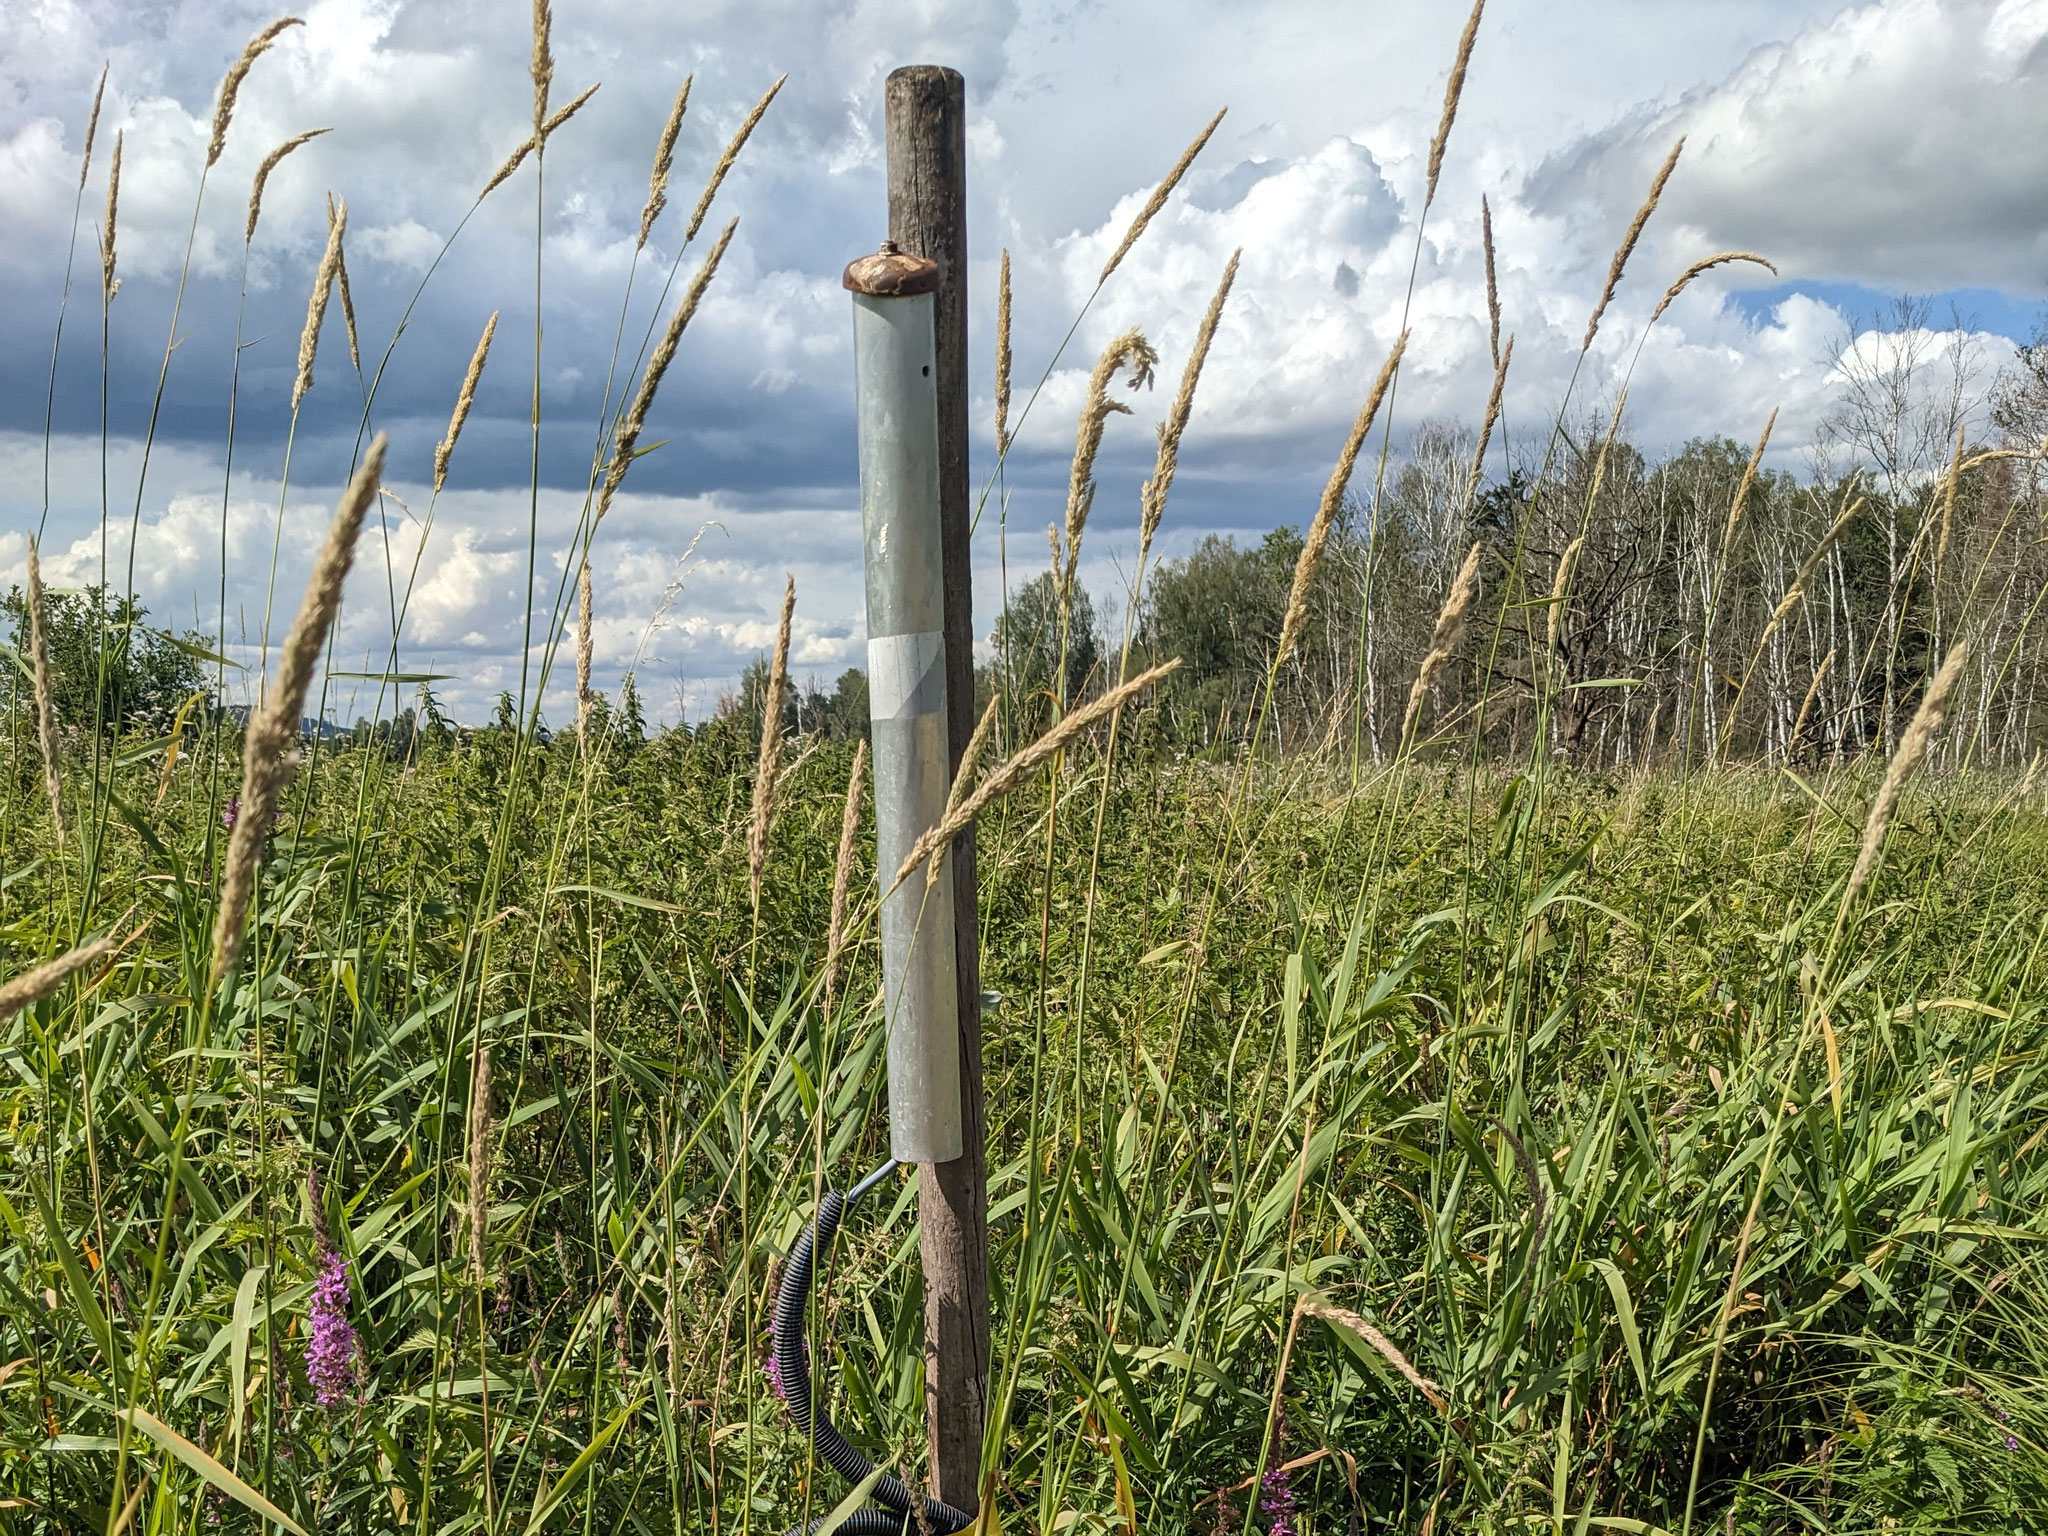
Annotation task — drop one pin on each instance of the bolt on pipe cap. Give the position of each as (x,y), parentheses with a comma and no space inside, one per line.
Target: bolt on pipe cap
(893,273)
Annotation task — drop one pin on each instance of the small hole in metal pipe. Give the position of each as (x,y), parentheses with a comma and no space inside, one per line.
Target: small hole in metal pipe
(927,370)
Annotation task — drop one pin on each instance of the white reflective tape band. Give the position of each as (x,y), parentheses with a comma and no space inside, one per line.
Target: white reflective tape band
(906,675)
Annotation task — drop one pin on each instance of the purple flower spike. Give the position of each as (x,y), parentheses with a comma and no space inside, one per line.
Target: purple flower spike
(1277,1502)
(331,1353)
(775,1366)
(231,813)
(2011,1444)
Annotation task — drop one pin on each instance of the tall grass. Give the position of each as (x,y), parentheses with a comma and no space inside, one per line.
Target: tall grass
(1434,1144)
(1520,1134)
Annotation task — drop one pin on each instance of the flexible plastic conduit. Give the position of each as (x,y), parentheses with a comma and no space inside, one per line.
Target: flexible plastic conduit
(792,1299)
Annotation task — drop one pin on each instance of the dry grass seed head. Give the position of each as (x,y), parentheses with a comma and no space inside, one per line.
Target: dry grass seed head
(34,986)
(1706,264)
(1010,773)
(1607,447)
(1129,351)
(479,1161)
(2034,450)
(963,776)
(1386,1347)
(231,87)
(1560,588)
(348,303)
(1453,89)
(1492,280)
(1003,356)
(1793,593)
(547,129)
(512,163)
(664,162)
(842,871)
(543,66)
(977,743)
(1152,500)
(1812,693)
(446,447)
(316,1208)
(1746,484)
(316,305)
(45,689)
(270,743)
(109,284)
(1333,500)
(1501,359)
(1806,569)
(771,747)
(1911,751)
(1450,619)
(1158,198)
(1627,247)
(963,779)
(725,161)
(270,163)
(584,649)
(92,125)
(1450,626)
(664,353)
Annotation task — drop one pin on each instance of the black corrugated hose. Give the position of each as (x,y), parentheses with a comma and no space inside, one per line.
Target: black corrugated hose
(786,1332)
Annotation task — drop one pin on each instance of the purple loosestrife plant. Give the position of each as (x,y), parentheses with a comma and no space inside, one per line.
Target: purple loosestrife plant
(231,813)
(331,1352)
(774,1372)
(1277,1502)
(332,1349)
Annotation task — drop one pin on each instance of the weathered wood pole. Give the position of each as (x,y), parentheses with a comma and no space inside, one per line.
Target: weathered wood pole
(925,112)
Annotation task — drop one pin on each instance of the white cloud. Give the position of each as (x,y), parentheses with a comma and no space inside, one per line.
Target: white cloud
(409,244)
(459,582)
(686,590)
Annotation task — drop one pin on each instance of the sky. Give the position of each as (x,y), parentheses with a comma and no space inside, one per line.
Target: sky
(1869,151)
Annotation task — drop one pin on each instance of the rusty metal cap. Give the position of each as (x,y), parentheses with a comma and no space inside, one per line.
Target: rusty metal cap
(893,273)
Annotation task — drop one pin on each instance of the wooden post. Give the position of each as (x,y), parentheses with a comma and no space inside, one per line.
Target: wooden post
(926,126)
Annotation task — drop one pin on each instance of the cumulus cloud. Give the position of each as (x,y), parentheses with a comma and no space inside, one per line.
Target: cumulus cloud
(686,590)
(1896,144)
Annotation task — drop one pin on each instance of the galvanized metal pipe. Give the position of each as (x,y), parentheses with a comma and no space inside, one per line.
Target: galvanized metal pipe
(897,409)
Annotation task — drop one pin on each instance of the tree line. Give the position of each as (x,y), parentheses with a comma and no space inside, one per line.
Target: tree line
(1634,611)
(1697,608)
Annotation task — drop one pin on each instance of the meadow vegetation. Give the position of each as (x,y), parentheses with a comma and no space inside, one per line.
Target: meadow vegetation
(1535,1023)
